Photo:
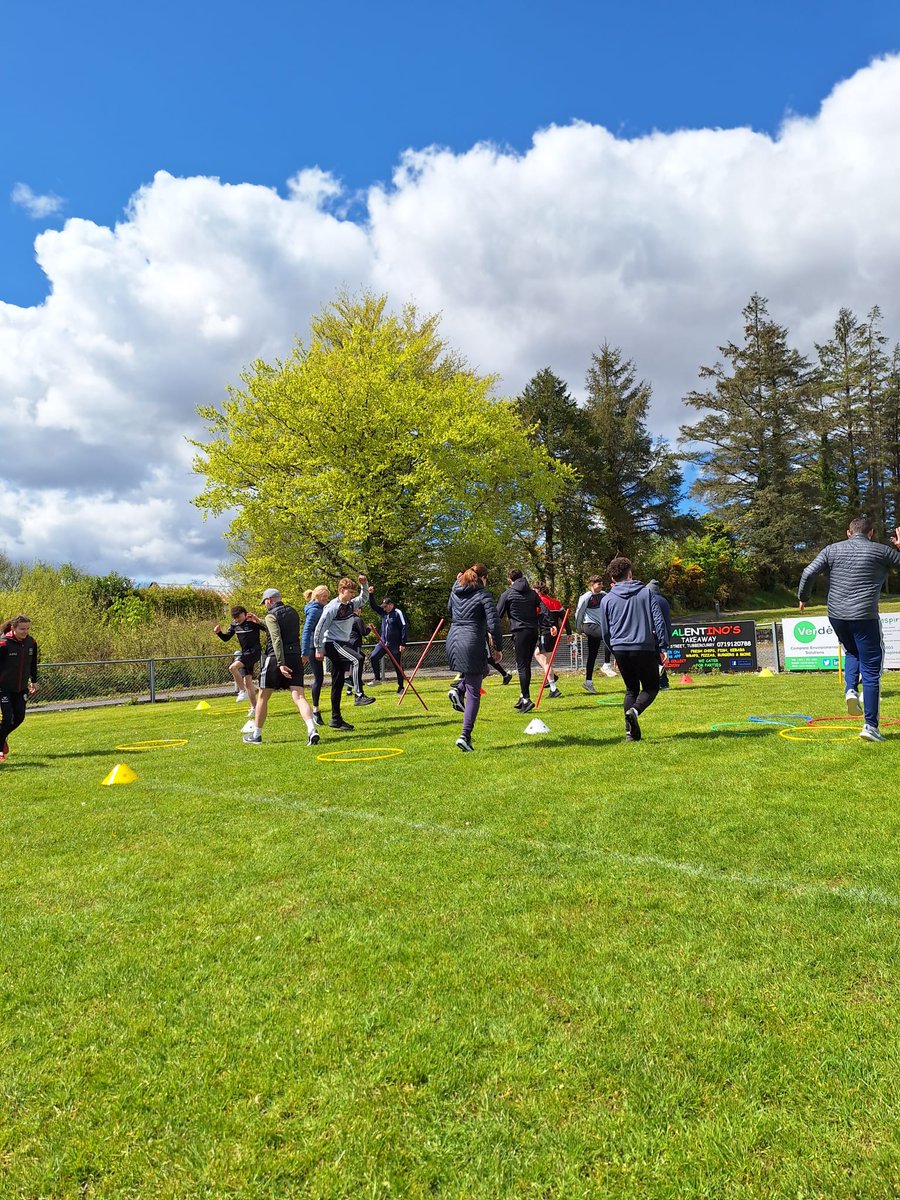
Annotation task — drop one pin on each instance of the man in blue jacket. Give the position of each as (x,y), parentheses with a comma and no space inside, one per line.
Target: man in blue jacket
(633,625)
(393,634)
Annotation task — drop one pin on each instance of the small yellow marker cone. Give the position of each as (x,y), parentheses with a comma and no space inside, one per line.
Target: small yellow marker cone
(202,705)
(766,673)
(119,774)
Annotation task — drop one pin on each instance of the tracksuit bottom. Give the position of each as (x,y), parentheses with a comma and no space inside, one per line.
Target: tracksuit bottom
(640,674)
(343,659)
(12,713)
(525,642)
(863,656)
(378,653)
(594,645)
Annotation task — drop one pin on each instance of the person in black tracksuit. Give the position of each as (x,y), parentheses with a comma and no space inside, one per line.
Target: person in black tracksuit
(521,603)
(246,627)
(18,676)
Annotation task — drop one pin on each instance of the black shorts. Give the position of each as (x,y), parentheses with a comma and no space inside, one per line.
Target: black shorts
(546,641)
(248,660)
(270,675)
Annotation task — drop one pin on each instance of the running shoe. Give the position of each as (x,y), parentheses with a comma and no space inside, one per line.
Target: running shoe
(526,706)
(239,697)
(632,726)
(253,739)
(507,678)
(313,739)
(608,671)
(871,733)
(465,743)
(374,683)
(361,700)
(588,686)
(318,718)
(518,704)
(342,725)
(555,693)
(854,708)
(455,701)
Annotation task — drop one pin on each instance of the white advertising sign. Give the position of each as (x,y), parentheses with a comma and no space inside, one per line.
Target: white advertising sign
(810,643)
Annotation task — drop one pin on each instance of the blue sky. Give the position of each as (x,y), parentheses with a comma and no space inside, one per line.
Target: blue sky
(186,184)
(96,97)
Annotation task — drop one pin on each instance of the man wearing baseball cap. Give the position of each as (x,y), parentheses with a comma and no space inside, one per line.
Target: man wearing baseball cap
(282,666)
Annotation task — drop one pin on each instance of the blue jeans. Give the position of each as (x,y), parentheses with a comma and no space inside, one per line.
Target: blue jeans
(863,655)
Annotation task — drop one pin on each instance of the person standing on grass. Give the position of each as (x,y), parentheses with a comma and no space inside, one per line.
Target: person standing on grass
(473,617)
(394,631)
(316,598)
(521,603)
(358,633)
(666,608)
(551,615)
(282,666)
(857,570)
(18,676)
(246,627)
(332,638)
(587,621)
(633,626)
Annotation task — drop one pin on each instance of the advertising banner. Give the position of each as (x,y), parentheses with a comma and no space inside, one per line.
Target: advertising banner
(729,646)
(810,643)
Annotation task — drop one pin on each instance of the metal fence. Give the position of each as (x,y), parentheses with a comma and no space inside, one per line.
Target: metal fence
(153,679)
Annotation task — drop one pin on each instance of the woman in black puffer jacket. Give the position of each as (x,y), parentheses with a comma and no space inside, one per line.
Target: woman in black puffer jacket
(473,616)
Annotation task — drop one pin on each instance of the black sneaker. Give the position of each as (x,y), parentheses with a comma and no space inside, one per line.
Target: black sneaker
(465,743)
(360,701)
(342,725)
(348,690)
(318,718)
(507,679)
(313,739)
(632,727)
(526,706)
(401,689)
(518,704)
(555,694)
(455,702)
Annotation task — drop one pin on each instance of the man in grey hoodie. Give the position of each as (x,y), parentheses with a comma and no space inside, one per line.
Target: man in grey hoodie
(633,625)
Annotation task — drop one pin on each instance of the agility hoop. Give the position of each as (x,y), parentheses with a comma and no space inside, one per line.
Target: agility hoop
(847,717)
(792,720)
(734,727)
(791,735)
(608,700)
(360,754)
(156,744)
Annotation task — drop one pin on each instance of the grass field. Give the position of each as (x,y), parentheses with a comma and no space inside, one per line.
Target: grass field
(562,966)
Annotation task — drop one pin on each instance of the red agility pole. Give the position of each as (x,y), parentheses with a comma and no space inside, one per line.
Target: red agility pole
(397,665)
(410,678)
(562,626)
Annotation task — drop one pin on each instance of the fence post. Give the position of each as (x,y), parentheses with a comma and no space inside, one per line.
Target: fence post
(775,647)
(152,665)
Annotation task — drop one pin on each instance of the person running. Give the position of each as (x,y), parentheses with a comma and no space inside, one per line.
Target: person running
(316,598)
(666,608)
(332,638)
(857,570)
(494,664)
(358,631)
(550,617)
(587,621)
(282,666)
(246,627)
(632,624)
(474,619)
(18,676)
(394,632)
(522,605)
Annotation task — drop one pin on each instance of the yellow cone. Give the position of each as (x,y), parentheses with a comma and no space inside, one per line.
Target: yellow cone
(203,705)
(119,774)
(767,673)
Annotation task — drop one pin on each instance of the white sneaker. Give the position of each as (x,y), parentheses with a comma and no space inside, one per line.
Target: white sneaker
(871,734)
(608,670)
(239,697)
(854,708)
(588,686)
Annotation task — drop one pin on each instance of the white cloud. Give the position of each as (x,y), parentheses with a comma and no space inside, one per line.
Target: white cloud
(36,206)
(654,244)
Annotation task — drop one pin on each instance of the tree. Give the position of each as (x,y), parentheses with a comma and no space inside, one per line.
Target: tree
(634,480)
(373,448)
(757,447)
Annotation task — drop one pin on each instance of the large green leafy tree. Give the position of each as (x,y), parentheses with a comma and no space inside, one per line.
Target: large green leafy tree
(756,444)
(372,447)
(634,479)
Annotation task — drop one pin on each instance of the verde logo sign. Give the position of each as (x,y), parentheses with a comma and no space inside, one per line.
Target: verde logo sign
(805,631)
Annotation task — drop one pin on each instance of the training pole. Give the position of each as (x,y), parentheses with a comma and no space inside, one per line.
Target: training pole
(396,664)
(547,673)
(410,678)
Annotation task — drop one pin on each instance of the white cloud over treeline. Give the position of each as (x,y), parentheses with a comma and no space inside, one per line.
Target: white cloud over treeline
(534,259)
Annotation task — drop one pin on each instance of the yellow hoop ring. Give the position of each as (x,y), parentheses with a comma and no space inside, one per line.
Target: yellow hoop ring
(158,744)
(791,736)
(357,752)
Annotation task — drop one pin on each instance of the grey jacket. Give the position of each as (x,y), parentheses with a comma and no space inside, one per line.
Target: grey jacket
(857,571)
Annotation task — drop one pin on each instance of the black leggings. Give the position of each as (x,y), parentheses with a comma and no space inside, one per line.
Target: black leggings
(593,649)
(525,642)
(12,713)
(640,674)
(317,669)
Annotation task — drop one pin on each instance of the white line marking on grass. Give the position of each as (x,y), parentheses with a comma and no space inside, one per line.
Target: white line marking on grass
(856,895)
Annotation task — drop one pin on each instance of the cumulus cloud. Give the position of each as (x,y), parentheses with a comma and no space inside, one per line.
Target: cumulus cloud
(36,206)
(534,259)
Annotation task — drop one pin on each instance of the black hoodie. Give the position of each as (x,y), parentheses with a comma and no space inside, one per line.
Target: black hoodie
(521,603)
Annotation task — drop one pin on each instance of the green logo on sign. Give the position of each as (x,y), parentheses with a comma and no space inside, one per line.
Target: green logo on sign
(805,631)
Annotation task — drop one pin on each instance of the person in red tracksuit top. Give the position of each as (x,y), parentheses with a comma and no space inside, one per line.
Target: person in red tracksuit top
(18,676)
(550,615)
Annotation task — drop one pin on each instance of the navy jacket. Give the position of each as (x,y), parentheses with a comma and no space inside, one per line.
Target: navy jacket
(393,625)
(632,619)
(474,616)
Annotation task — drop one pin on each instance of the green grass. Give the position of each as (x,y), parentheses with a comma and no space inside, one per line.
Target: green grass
(560,967)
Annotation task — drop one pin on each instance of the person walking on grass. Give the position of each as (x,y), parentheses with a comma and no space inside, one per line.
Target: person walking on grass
(394,632)
(666,609)
(316,598)
(550,617)
(332,638)
(587,621)
(245,626)
(18,676)
(473,617)
(521,603)
(282,667)
(633,626)
(494,663)
(857,570)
